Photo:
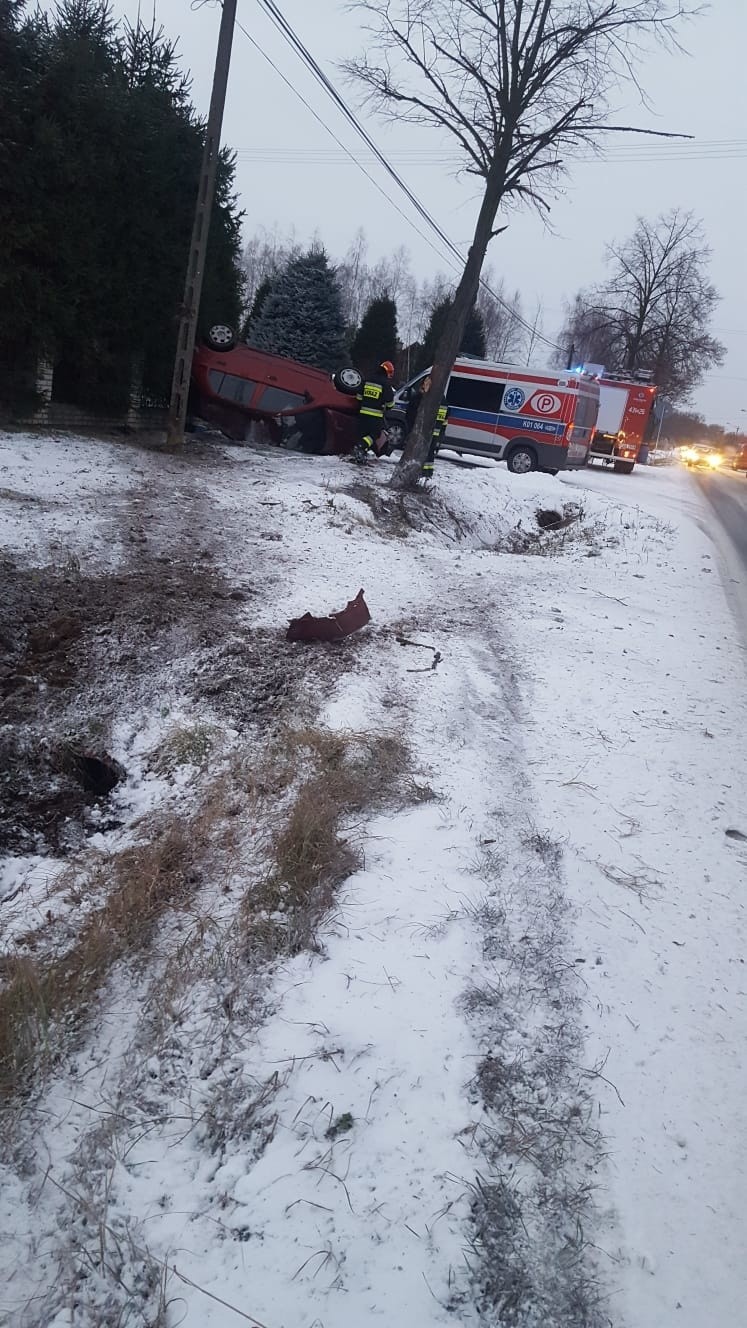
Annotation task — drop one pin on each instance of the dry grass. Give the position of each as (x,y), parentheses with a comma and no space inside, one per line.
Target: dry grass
(185,744)
(300,805)
(311,852)
(42,998)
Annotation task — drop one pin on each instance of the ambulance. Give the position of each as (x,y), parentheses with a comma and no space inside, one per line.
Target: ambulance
(533,419)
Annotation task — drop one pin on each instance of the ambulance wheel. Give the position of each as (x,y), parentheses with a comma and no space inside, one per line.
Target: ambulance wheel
(521,460)
(221,337)
(348,381)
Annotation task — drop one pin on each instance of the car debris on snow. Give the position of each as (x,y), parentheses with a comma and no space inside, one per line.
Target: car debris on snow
(335,626)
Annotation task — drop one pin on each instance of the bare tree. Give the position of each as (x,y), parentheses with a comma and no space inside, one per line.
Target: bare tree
(265,253)
(502,316)
(352,276)
(518,84)
(652,312)
(361,282)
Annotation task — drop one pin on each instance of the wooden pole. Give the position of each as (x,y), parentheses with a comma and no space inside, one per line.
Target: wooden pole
(185,344)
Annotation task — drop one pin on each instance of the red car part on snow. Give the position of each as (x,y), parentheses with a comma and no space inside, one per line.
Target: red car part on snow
(333,628)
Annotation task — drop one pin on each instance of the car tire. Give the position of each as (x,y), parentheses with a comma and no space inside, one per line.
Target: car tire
(521,459)
(624,467)
(395,434)
(221,336)
(348,380)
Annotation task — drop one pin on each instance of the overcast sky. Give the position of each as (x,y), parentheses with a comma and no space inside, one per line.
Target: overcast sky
(703,93)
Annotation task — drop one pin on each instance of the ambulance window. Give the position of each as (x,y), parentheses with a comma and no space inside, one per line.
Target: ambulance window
(475,394)
(586,412)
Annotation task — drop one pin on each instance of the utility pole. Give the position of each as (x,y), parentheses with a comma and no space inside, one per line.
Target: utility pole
(664,407)
(185,344)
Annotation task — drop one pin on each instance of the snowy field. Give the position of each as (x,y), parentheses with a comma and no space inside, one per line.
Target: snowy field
(504,1084)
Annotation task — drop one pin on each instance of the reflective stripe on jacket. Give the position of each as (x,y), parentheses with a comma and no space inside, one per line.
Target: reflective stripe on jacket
(441,418)
(371,399)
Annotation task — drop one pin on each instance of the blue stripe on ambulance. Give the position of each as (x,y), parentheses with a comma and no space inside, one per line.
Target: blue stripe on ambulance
(523,423)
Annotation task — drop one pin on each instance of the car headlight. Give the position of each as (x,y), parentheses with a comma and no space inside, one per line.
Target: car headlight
(715,461)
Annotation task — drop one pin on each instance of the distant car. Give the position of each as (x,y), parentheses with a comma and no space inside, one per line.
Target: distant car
(303,407)
(739,460)
(661,456)
(702,457)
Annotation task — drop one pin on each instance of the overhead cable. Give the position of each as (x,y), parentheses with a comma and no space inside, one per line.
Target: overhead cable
(291,37)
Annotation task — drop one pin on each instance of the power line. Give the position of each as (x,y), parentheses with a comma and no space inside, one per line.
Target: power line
(726,149)
(291,37)
(702,147)
(345,150)
(319,157)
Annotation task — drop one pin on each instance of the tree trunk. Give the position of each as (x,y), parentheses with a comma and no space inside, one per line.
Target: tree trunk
(409,470)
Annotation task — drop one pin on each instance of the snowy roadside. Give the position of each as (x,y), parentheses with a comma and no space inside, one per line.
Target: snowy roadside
(413,1129)
(639,764)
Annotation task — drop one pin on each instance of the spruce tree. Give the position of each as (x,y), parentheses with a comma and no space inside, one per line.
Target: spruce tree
(473,338)
(302,316)
(260,295)
(376,338)
(473,341)
(438,319)
(100,158)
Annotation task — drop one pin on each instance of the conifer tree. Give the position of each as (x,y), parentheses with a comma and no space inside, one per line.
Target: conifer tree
(100,156)
(376,338)
(302,315)
(473,337)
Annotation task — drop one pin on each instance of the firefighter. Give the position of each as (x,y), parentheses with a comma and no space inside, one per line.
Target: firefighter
(439,429)
(413,404)
(376,396)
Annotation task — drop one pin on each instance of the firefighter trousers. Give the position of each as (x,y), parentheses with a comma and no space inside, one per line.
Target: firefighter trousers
(370,428)
(426,469)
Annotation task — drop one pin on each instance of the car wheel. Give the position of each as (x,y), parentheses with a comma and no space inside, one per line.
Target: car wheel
(348,381)
(221,337)
(521,460)
(395,435)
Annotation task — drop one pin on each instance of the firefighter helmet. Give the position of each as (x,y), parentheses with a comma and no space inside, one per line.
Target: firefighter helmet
(388,368)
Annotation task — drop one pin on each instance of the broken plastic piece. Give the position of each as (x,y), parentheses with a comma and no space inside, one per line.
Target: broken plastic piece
(350,619)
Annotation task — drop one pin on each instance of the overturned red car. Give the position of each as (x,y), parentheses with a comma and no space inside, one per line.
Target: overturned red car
(302,408)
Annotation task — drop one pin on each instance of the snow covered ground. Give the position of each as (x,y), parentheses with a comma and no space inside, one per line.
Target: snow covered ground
(508,1086)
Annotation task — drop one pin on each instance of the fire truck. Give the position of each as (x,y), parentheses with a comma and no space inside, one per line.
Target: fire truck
(625,412)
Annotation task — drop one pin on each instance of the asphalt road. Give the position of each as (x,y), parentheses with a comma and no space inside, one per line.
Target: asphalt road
(727,494)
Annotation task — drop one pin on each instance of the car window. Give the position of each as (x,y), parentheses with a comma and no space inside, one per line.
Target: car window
(408,390)
(278,398)
(475,394)
(586,412)
(230,387)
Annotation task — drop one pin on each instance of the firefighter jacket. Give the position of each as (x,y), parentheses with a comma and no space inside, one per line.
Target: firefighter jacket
(439,427)
(376,395)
